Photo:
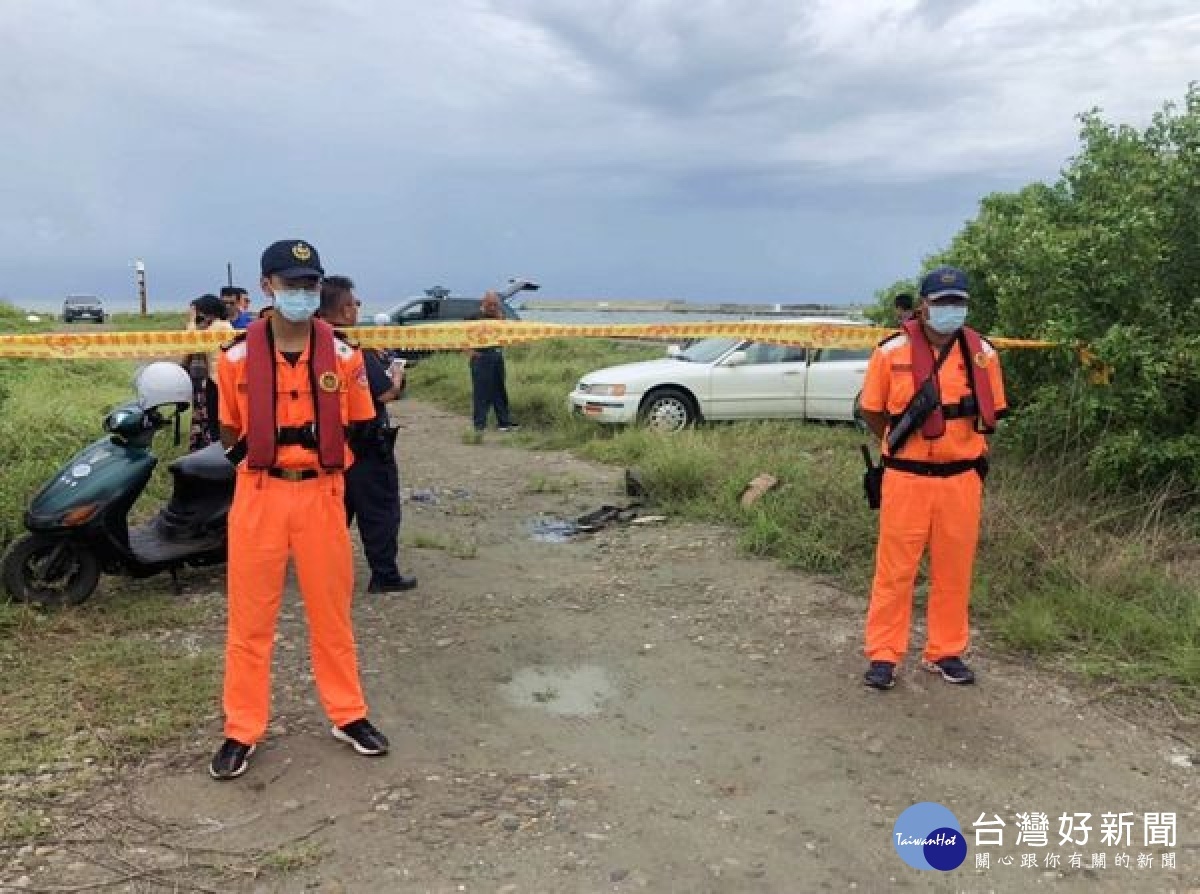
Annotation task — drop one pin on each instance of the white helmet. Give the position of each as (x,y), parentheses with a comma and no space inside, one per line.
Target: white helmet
(383,320)
(161,383)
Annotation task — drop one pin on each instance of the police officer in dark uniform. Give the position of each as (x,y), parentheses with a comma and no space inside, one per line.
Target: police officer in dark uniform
(373,482)
(488,388)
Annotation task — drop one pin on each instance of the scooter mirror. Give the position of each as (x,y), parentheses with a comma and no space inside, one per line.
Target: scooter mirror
(126,421)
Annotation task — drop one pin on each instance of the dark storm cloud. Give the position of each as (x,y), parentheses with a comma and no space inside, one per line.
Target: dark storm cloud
(634,147)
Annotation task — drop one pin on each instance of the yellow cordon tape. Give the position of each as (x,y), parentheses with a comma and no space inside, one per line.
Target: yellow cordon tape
(455,336)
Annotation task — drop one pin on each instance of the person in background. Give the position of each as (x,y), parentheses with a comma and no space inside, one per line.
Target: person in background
(373,482)
(204,313)
(488,388)
(903,304)
(237,304)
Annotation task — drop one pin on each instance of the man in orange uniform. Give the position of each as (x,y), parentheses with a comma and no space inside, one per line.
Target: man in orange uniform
(935,464)
(289,387)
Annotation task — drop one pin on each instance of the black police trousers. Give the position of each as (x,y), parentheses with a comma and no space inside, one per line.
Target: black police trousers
(373,497)
(488,390)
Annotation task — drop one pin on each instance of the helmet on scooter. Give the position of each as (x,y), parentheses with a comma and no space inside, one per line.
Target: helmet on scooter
(161,383)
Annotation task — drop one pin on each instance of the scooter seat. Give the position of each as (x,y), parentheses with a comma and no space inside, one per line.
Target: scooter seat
(206,464)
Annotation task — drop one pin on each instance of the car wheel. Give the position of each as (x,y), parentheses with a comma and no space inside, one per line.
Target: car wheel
(668,409)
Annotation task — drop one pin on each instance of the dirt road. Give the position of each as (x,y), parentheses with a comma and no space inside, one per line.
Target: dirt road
(639,709)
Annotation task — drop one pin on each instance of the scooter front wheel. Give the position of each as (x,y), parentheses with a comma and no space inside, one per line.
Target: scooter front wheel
(50,572)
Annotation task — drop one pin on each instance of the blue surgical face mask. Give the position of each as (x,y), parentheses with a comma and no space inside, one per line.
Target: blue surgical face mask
(947,319)
(297,305)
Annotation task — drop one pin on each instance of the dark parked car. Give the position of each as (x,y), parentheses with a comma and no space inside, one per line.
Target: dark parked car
(83,307)
(439,305)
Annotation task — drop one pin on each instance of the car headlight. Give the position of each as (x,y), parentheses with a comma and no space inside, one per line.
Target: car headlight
(603,390)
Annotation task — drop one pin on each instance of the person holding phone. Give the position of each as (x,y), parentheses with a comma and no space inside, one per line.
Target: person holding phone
(373,482)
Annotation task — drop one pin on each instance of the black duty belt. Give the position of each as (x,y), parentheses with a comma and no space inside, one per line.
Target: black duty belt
(293,474)
(297,436)
(938,470)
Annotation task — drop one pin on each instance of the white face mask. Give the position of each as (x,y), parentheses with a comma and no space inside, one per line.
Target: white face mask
(947,319)
(297,305)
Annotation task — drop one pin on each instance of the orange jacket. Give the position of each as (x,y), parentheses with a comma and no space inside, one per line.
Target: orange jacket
(293,395)
(889,387)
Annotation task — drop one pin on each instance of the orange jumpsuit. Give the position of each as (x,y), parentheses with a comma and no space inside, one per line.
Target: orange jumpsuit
(272,519)
(920,511)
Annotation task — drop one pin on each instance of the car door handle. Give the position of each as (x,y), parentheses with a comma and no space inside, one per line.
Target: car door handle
(792,372)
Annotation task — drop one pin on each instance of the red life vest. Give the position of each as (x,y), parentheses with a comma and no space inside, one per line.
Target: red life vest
(923,361)
(261,436)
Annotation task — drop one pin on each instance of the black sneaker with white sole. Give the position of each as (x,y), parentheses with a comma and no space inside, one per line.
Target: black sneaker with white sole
(231,760)
(362,736)
(953,670)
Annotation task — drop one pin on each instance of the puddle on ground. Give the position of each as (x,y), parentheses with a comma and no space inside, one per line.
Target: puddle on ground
(552,530)
(570,692)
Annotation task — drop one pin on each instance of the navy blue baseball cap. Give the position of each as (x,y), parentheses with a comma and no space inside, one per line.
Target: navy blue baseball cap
(291,258)
(943,282)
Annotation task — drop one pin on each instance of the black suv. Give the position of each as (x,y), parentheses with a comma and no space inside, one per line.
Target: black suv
(83,307)
(441,306)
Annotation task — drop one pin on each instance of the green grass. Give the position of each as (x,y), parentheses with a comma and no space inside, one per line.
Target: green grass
(459,549)
(51,409)
(293,857)
(539,378)
(95,686)
(1077,579)
(98,684)
(552,484)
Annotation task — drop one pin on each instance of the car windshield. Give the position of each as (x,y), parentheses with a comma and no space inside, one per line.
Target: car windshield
(708,350)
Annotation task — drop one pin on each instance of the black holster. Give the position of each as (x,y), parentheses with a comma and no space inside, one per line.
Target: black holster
(872,480)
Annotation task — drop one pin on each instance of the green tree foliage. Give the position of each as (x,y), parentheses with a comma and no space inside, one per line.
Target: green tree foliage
(1108,256)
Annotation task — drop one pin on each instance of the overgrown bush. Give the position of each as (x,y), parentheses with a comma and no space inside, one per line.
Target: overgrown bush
(1109,257)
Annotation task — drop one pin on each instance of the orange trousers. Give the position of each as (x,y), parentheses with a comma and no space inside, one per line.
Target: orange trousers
(918,511)
(270,520)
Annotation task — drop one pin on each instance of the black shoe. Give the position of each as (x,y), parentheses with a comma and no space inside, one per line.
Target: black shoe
(953,670)
(880,675)
(231,760)
(363,736)
(512,426)
(397,584)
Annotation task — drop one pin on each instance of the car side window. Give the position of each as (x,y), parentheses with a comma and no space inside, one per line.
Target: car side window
(828,355)
(759,353)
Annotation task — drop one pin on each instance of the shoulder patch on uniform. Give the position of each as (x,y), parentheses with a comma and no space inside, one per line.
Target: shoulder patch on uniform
(988,347)
(894,342)
(345,350)
(344,338)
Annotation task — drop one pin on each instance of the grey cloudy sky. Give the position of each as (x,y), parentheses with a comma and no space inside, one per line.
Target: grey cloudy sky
(700,149)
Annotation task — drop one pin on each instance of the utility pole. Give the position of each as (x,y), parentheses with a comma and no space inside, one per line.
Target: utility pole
(229,274)
(139,267)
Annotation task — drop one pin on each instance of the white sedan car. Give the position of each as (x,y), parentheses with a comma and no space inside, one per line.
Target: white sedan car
(727,379)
